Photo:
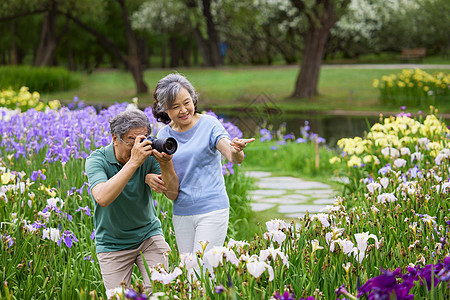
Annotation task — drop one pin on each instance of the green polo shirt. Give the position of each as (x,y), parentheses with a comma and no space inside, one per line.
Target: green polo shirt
(131,218)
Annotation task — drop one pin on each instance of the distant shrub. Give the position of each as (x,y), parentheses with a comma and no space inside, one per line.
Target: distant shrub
(414,88)
(43,79)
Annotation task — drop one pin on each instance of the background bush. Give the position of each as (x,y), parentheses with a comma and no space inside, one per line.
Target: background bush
(43,79)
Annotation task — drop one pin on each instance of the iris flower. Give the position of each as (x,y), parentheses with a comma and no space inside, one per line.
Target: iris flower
(69,238)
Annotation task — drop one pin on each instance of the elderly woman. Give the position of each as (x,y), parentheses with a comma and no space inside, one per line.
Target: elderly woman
(201,210)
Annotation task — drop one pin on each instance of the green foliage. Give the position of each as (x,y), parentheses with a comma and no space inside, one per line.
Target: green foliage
(43,79)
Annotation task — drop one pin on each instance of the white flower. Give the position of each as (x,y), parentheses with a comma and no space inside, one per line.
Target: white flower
(386,197)
(45,215)
(399,162)
(264,254)
(256,268)
(239,244)
(374,209)
(346,246)
(315,246)
(188,260)
(323,218)
(384,182)
(52,234)
(335,233)
(405,151)
(361,242)
(416,155)
(371,187)
(389,151)
(165,277)
(114,293)
(276,224)
(215,256)
(276,235)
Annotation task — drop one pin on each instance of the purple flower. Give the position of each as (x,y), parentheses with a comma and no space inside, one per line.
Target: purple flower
(86,210)
(385,286)
(219,289)
(384,170)
(266,135)
(289,136)
(228,167)
(93,234)
(35,175)
(301,140)
(274,147)
(341,290)
(8,239)
(444,273)
(285,296)
(68,238)
(89,257)
(321,140)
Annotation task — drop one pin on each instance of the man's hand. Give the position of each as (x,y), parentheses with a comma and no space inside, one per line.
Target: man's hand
(140,151)
(156,183)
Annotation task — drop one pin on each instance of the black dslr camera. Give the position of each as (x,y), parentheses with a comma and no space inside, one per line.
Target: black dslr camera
(168,145)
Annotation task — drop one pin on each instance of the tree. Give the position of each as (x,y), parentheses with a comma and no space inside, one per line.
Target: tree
(321,16)
(205,31)
(169,22)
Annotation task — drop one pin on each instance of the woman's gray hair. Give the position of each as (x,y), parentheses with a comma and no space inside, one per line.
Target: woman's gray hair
(129,119)
(166,91)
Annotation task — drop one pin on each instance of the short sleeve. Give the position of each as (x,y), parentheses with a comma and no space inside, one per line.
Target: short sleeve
(218,132)
(95,171)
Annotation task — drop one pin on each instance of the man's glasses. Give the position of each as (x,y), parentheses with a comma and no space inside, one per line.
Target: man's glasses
(129,143)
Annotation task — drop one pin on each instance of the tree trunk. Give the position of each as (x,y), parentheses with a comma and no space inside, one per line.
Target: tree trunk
(209,45)
(70,61)
(175,53)
(308,79)
(134,63)
(321,18)
(47,44)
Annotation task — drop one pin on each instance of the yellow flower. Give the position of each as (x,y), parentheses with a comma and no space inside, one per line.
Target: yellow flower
(7,178)
(335,159)
(354,161)
(54,104)
(376,83)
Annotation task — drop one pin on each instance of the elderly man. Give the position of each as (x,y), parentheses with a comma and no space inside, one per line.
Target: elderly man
(125,219)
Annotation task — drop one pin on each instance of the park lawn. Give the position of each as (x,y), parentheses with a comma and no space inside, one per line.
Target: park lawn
(231,88)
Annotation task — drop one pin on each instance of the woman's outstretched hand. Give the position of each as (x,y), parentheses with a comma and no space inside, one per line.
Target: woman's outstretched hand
(239,144)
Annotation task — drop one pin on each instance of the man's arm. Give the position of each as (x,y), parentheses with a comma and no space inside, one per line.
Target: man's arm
(106,192)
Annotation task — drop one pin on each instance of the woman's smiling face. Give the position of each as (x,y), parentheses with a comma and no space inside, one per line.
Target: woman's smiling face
(182,110)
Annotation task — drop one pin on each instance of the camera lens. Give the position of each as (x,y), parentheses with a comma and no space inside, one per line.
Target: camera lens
(170,145)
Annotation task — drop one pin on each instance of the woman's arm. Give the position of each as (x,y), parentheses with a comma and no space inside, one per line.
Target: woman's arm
(168,181)
(233,150)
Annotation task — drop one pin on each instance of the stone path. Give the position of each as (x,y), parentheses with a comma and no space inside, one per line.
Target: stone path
(291,196)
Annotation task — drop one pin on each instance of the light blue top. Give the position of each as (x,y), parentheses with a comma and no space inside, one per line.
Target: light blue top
(197,163)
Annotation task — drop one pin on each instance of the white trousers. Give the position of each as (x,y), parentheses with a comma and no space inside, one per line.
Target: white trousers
(190,230)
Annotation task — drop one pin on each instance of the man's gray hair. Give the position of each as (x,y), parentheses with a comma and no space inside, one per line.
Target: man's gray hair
(129,119)
(167,90)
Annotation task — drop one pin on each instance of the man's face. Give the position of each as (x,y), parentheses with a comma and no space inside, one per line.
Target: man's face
(123,145)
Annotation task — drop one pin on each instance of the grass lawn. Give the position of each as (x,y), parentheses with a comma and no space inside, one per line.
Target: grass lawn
(231,88)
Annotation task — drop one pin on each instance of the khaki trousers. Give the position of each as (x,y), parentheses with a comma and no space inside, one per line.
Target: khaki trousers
(117,266)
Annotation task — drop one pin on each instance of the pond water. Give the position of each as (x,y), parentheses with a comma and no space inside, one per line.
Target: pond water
(330,127)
